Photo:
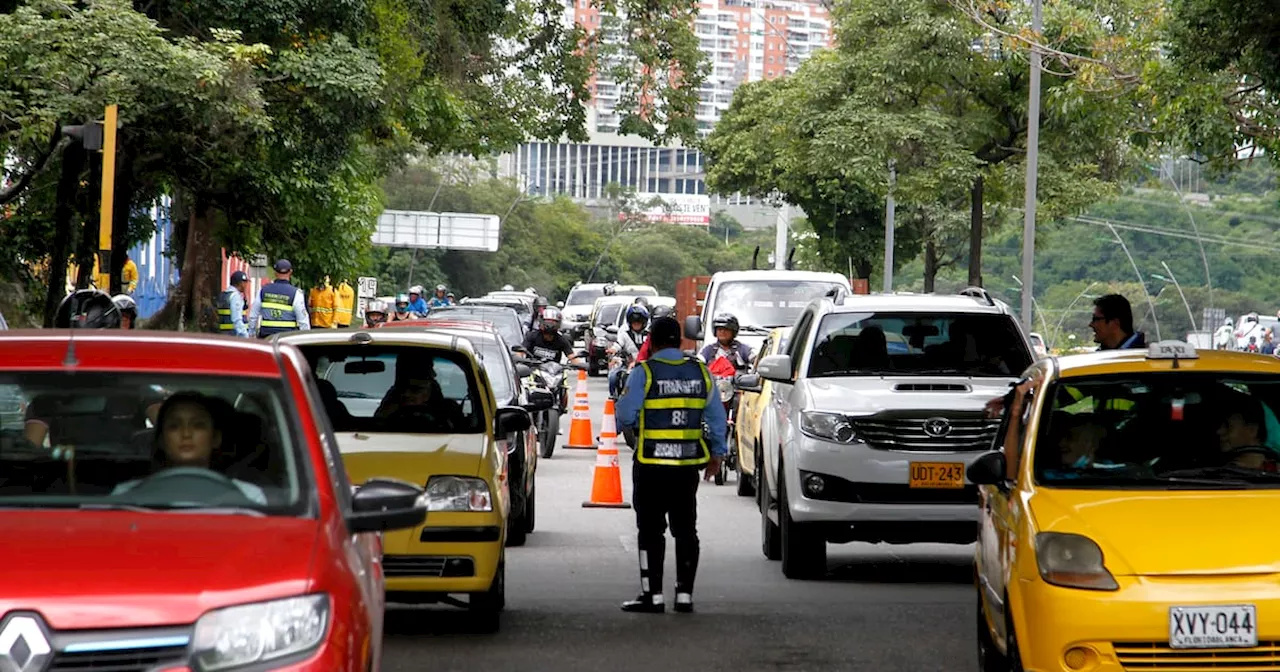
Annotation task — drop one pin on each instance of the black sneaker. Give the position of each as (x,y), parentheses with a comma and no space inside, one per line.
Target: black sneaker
(684,603)
(645,604)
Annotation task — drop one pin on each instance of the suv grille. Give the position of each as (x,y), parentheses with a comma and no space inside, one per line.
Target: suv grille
(928,432)
(1134,656)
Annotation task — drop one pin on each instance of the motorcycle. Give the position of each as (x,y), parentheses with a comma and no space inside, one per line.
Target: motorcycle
(549,375)
(725,374)
(618,362)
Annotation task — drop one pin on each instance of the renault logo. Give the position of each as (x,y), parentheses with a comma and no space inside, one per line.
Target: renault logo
(23,645)
(937,427)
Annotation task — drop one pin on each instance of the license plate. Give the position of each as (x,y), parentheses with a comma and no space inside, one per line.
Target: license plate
(937,475)
(1231,626)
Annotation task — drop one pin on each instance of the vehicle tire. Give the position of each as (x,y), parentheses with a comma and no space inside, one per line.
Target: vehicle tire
(770,534)
(804,554)
(531,509)
(487,606)
(989,657)
(719,477)
(746,486)
(1014,655)
(552,434)
(593,369)
(517,528)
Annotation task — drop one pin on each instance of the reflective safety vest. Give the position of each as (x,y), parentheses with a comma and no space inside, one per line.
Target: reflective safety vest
(675,395)
(322,303)
(225,323)
(275,308)
(344,305)
(1079,400)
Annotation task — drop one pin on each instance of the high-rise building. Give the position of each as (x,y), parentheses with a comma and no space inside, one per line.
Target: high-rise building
(743,40)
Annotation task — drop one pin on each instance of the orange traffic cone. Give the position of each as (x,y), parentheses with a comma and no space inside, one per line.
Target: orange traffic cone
(606,487)
(580,427)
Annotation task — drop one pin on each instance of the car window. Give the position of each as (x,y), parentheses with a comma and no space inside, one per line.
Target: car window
(496,360)
(150,440)
(768,303)
(505,321)
(901,343)
(401,389)
(1163,430)
(582,296)
(608,313)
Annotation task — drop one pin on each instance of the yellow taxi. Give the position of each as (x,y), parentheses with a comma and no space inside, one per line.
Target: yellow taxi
(418,406)
(756,396)
(1127,520)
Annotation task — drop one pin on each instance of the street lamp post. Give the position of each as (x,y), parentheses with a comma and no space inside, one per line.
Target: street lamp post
(1057,330)
(1043,323)
(1033,163)
(1150,304)
(1172,279)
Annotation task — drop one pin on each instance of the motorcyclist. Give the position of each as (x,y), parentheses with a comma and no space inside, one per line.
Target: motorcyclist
(441,298)
(376,313)
(128,310)
(1224,337)
(628,343)
(539,304)
(403,312)
(727,343)
(546,342)
(417,304)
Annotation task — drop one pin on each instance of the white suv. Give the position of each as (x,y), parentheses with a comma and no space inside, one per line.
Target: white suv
(877,411)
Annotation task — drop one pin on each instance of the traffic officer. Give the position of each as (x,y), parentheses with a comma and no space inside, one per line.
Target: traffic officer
(667,400)
(281,306)
(233,314)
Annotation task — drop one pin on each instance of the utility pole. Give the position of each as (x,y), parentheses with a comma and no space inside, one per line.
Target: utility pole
(1033,164)
(889,217)
(780,243)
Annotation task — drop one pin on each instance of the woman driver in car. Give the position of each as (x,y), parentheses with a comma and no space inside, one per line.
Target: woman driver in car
(189,434)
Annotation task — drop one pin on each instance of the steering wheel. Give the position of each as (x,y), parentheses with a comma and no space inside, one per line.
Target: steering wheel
(189,484)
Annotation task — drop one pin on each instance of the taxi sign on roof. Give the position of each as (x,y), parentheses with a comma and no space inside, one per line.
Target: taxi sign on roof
(1171,350)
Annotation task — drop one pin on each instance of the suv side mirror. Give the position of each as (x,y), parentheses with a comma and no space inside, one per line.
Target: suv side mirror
(776,368)
(988,470)
(510,420)
(748,382)
(385,504)
(693,327)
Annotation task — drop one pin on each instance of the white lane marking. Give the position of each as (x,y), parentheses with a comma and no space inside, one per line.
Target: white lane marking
(628,542)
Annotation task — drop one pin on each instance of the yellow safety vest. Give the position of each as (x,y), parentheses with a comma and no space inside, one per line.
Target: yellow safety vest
(345,304)
(322,302)
(670,431)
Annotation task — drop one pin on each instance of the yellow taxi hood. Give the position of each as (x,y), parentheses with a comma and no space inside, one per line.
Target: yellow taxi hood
(411,457)
(1162,532)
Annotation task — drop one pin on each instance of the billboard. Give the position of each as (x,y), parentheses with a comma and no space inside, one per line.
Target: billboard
(446,230)
(688,209)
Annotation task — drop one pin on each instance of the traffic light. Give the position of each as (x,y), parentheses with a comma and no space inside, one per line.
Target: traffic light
(89,135)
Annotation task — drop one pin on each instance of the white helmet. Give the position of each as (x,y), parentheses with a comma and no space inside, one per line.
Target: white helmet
(125,304)
(508,288)
(416,289)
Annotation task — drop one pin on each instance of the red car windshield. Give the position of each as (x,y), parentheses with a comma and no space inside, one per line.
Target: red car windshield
(148,440)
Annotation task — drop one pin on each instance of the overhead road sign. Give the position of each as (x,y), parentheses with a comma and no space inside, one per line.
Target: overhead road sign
(437,230)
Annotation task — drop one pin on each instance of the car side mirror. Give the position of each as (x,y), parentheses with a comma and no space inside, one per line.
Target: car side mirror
(540,400)
(511,420)
(523,370)
(989,469)
(693,327)
(383,504)
(748,382)
(776,368)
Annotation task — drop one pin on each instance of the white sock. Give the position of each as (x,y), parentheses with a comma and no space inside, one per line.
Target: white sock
(684,598)
(656,598)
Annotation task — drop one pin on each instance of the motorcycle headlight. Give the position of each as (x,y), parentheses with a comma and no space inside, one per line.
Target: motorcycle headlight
(457,493)
(726,389)
(1072,561)
(827,426)
(251,634)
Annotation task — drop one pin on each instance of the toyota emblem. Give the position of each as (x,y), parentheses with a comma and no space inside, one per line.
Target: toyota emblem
(937,427)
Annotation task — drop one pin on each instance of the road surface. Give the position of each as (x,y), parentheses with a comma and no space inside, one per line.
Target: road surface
(881,608)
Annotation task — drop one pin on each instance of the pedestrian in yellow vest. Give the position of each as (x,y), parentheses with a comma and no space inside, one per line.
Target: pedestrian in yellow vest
(346,302)
(322,304)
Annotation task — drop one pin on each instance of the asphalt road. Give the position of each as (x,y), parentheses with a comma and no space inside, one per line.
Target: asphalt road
(880,608)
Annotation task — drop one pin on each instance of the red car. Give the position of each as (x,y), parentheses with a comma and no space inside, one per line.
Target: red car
(175,502)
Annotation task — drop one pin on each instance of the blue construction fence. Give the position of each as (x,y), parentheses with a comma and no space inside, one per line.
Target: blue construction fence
(156,271)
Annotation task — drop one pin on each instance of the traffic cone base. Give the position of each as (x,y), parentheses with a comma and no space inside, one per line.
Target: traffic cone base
(580,424)
(606,486)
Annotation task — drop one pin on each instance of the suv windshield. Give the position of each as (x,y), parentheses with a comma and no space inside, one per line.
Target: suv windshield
(866,343)
(397,389)
(583,296)
(1168,430)
(768,303)
(149,440)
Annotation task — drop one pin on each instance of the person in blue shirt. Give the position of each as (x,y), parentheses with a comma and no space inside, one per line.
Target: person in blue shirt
(232,312)
(417,304)
(667,400)
(441,298)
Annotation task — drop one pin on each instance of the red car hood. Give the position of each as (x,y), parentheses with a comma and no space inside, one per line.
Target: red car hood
(120,569)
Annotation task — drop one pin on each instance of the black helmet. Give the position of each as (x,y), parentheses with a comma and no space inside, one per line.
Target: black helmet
(661,311)
(87,309)
(725,321)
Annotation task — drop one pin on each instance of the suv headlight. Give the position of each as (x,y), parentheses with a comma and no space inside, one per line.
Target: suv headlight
(457,493)
(250,634)
(1072,561)
(827,426)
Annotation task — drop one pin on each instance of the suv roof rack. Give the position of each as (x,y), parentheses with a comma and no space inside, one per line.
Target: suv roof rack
(978,293)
